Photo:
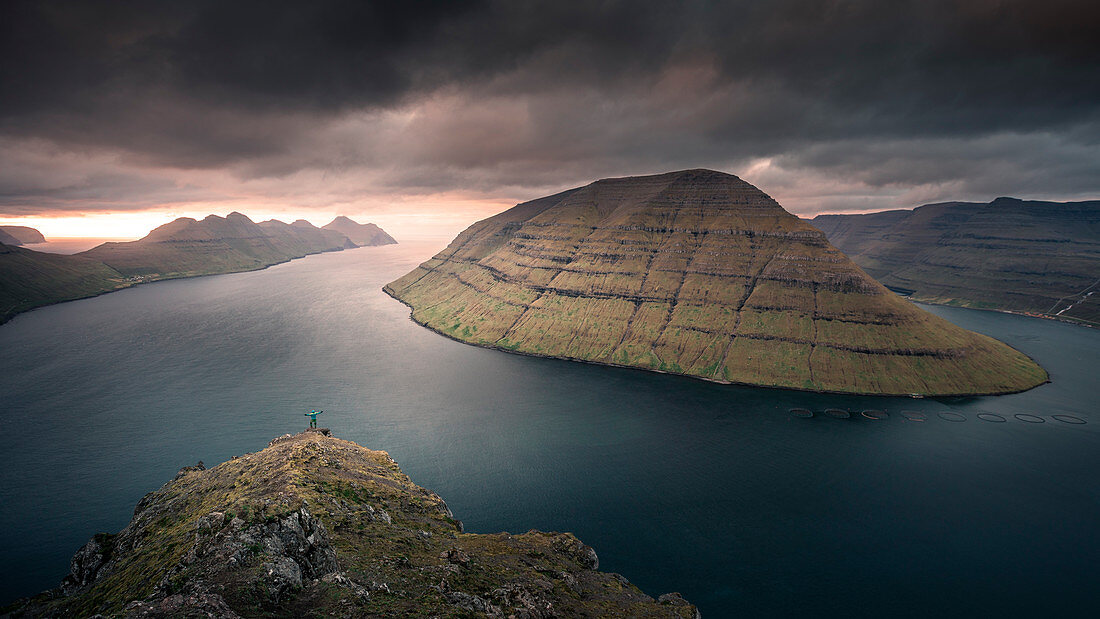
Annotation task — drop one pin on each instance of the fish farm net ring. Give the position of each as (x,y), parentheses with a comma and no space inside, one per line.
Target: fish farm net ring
(949,416)
(1030,418)
(913,415)
(992,417)
(873,414)
(837,413)
(1068,419)
(804,413)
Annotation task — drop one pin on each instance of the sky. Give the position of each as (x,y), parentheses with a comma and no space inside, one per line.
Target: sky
(426,116)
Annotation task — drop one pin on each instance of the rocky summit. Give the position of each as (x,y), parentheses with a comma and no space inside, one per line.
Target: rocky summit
(695,272)
(315,526)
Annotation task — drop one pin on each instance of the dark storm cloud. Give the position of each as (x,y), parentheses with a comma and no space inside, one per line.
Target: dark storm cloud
(510,96)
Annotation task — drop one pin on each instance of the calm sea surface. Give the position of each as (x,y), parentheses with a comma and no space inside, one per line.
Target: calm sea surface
(681,485)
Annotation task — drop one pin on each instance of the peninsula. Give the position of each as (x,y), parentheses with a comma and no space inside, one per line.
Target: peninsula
(318,526)
(185,247)
(699,273)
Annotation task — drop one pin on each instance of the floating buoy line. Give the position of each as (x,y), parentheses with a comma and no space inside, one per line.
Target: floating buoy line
(953,416)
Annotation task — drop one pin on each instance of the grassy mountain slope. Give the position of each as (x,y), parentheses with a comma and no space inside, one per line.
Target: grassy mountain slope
(363,235)
(1030,256)
(29,279)
(699,273)
(314,526)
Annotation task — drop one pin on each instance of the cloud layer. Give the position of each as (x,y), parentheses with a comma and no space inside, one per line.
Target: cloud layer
(827,105)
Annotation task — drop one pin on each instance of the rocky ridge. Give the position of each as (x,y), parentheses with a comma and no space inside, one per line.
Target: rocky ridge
(318,526)
(699,273)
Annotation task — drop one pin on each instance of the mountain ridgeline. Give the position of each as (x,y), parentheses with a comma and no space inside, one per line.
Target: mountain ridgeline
(360,234)
(1021,255)
(699,273)
(183,248)
(315,526)
(186,247)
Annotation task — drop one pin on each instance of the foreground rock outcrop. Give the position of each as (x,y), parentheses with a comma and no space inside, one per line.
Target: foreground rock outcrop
(318,526)
(700,273)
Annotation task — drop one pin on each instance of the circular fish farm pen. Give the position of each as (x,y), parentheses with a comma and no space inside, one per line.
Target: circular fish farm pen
(837,413)
(1069,419)
(803,413)
(952,416)
(1030,418)
(991,417)
(875,414)
(913,416)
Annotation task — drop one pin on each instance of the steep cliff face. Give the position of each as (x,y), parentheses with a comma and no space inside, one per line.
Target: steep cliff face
(1030,256)
(318,526)
(187,247)
(363,235)
(700,273)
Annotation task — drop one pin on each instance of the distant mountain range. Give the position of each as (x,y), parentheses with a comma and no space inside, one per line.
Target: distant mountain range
(1020,255)
(360,234)
(695,272)
(20,235)
(183,248)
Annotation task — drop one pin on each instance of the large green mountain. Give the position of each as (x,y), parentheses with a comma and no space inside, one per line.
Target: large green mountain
(1028,256)
(700,273)
(314,526)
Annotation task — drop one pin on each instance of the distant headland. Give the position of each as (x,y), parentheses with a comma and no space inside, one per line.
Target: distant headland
(185,247)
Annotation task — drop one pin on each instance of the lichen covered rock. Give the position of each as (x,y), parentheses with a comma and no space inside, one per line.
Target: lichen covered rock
(318,526)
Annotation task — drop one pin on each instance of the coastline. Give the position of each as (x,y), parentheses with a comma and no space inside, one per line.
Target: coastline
(1068,321)
(389,292)
(126,284)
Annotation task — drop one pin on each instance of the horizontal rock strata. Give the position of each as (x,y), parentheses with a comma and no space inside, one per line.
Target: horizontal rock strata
(698,273)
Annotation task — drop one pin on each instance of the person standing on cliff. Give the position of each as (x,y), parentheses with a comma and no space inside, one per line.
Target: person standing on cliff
(313,418)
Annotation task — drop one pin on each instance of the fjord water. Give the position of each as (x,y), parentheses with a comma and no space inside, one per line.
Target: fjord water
(715,491)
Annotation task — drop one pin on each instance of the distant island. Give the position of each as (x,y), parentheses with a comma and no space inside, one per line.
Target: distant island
(318,526)
(182,248)
(360,234)
(699,273)
(1020,255)
(20,235)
